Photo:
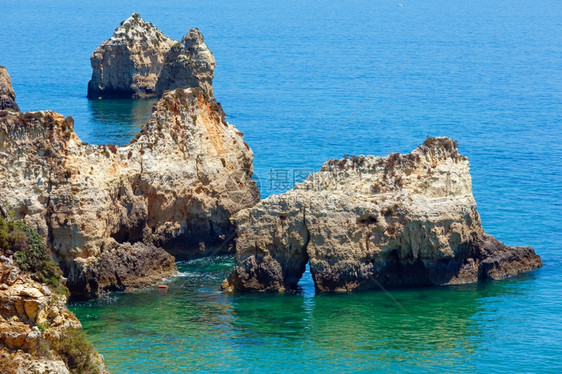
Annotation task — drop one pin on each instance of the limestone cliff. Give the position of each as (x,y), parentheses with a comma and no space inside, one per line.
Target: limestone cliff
(106,211)
(7,94)
(363,222)
(139,61)
(38,334)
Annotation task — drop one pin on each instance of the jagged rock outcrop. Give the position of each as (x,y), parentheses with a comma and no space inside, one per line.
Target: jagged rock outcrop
(174,187)
(140,61)
(7,94)
(363,222)
(189,63)
(38,334)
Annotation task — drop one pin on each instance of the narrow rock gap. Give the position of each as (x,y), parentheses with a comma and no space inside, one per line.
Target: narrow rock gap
(306,283)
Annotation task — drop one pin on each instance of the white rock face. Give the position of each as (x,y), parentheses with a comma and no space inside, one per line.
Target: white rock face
(140,61)
(108,211)
(364,222)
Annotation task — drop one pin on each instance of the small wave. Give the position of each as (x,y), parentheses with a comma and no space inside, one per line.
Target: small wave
(188,274)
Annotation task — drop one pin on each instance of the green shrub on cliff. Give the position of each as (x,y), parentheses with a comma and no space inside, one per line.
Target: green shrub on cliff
(30,253)
(76,351)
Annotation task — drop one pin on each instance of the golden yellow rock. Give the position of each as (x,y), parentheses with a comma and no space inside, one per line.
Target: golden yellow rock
(31,292)
(35,325)
(31,308)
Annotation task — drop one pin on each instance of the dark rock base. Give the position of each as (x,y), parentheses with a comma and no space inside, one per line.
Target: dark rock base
(486,259)
(121,267)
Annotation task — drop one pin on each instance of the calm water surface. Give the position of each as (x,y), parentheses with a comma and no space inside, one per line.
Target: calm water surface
(311,80)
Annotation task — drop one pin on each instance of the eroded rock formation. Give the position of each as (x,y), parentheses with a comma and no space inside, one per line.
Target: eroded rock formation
(363,222)
(188,64)
(38,334)
(106,211)
(139,61)
(7,94)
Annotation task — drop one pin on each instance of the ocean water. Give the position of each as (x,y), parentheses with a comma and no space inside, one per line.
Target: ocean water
(311,80)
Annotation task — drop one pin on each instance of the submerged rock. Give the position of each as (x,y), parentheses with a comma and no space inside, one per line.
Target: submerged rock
(364,222)
(109,212)
(140,61)
(7,94)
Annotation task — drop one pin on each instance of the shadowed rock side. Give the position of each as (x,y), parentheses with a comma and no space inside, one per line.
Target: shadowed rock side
(140,61)
(362,222)
(38,334)
(108,211)
(7,94)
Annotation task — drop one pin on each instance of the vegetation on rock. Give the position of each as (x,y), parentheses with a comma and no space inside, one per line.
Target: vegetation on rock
(37,332)
(76,352)
(31,253)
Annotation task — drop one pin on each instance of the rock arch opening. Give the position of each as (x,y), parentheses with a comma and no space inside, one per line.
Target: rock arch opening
(295,267)
(306,282)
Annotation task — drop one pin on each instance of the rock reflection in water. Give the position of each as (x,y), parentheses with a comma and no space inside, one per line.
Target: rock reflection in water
(196,328)
(433,328)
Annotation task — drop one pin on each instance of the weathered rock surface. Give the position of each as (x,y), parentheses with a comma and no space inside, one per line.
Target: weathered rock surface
(188,64)
(7,94)
(106,211)
(139,61)
(363,222)
(38,334)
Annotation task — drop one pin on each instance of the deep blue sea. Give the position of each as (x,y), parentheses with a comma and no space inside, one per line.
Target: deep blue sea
(311,80)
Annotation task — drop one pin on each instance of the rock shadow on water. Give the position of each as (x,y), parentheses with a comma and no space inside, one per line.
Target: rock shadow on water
(117,120)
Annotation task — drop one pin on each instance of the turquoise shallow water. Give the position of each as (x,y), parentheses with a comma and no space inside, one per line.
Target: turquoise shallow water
(311,80)
(193,327)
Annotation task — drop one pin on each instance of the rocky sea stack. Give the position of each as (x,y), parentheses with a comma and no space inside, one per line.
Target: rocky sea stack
(113,215)
(366,222)
(140,61)
(7,94)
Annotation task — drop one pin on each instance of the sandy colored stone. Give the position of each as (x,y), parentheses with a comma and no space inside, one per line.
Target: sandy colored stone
(31,322)
(188,64)
(366,222)
(140,61)
(31,308)
(31,292)
(172,190)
